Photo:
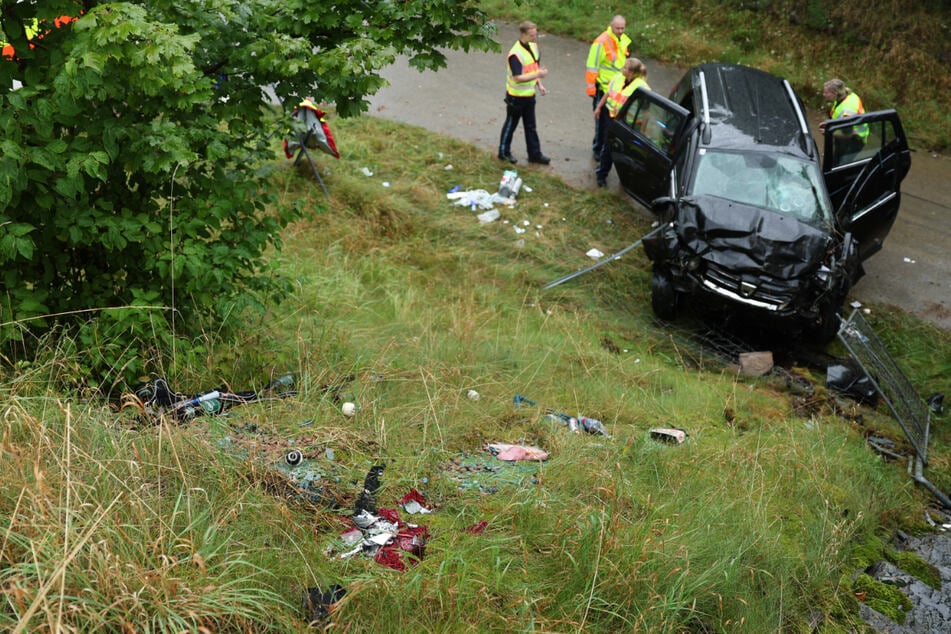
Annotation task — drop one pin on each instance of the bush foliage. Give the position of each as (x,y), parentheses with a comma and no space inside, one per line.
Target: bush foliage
(131,199)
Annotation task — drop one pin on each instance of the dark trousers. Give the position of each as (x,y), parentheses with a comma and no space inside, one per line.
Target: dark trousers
(597,141)
(605,161)
(520,109)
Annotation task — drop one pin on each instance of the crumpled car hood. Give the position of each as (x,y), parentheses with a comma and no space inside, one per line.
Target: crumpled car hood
(744,239)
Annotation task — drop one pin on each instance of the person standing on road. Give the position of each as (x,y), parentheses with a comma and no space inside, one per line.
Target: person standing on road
(606,57)
(524,76)
(845,103)
(633,75)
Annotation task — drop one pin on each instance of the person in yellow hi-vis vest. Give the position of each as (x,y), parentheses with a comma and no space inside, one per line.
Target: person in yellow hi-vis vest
(845,103)
(606,57)
(524,74)
(633,75)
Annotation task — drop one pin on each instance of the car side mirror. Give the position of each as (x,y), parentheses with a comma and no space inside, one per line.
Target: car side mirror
(660,204)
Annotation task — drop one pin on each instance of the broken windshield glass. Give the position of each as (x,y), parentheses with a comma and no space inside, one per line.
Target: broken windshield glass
(776,182)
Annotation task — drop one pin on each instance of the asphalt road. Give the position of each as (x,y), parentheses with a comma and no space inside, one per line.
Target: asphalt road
(464,100)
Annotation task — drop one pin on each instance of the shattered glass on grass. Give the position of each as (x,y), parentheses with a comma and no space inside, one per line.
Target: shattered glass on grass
(487,474)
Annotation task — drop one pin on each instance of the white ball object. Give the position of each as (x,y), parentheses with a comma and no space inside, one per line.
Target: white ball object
(348,409)
(473,395)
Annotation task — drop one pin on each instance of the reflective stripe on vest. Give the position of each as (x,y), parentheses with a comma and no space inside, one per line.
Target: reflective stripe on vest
(618,93)
(529,65)
(605,59)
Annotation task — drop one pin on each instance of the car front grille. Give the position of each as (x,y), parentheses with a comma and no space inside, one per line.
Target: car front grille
(755,291)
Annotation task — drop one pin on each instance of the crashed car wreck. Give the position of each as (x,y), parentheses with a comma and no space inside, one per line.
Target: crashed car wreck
(756,221)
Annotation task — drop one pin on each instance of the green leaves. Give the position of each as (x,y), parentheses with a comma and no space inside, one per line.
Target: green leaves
(136,136)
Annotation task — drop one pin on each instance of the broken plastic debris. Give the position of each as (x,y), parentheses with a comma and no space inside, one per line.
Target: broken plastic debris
(455,189)
(593,426)
(908,260)
(510,184)
(850,380)
(594,254)
(318,604)
(352,536)
(366,501)
(856,304)
(448,167)
(386,183)
(364,519)
(415,501)
(366,171)
(474,197)
(668,434)
(936,403)
(507,452)
(488,216)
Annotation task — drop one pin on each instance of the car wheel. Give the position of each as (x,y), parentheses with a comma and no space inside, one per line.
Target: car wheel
(665,299)
(827,328)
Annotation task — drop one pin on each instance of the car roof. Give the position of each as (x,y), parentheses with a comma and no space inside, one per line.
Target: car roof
(749,108)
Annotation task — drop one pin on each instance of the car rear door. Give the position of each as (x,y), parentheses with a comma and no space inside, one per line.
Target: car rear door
(644,140)
(865,159)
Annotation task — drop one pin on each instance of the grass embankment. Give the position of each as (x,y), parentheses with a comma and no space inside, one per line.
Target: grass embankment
(403,303)
(893,54)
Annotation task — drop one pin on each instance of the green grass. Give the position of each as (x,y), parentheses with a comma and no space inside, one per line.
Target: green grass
(893,54)
(402,304)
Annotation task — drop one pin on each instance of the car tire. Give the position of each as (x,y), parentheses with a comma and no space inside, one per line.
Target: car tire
(665,300)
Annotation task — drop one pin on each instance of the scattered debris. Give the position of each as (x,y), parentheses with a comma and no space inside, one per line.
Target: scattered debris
(472,395)
(380,533)
(157,398)
(574,423)
(366,500)
(319,604)
(488,216)
(849,379)
(472,198)
(669,434)
(486,474)
(507,452)
(414,503)
(386,538)
(509,186)
(594,254)
(936,403)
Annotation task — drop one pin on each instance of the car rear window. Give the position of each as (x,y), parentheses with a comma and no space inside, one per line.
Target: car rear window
(776,182)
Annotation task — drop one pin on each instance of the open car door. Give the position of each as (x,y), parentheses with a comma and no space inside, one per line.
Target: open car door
(865,159)
(644,140)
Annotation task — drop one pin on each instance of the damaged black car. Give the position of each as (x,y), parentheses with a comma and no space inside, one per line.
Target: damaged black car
(757,222)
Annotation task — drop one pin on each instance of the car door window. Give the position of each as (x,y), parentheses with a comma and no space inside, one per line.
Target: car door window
(861,141)
(656,123)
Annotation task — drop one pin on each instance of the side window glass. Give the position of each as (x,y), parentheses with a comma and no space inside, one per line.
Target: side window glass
(853,144)
(654,122)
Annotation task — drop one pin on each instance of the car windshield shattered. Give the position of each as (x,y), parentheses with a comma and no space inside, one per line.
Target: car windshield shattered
(777,182)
